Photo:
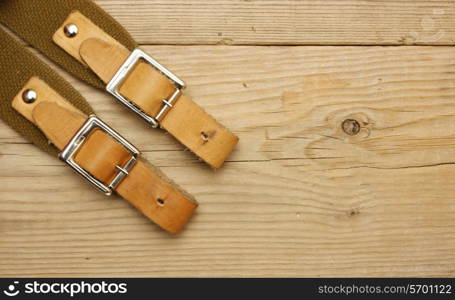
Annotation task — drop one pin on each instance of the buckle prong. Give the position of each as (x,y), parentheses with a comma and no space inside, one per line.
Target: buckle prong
(122,170)
(124,71)
(168,104)
(92,123)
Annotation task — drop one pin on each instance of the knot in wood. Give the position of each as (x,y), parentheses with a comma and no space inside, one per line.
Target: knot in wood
(350,126)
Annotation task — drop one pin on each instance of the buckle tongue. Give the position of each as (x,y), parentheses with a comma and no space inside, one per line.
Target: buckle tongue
(125,69)
(77,141)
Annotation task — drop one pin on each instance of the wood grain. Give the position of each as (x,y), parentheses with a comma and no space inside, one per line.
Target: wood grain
(299,197)
(287,22)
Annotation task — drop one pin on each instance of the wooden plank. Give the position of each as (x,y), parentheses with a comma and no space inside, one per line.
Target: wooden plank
(299,197)
(288,22)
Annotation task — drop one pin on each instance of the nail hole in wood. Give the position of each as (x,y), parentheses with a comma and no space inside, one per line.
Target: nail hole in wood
(350,127)
(160,201)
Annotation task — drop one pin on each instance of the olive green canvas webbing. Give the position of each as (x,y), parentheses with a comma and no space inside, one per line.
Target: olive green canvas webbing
(35,21)
(17,66)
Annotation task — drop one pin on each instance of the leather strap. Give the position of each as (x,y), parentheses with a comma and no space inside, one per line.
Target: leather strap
(40,24)
(146,87)
(59,111)
(144,187)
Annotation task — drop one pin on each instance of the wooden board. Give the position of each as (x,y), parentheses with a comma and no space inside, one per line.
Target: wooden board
(302,195)
(288,22)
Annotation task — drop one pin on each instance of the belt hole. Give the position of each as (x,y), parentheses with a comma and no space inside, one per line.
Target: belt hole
(207,135)
(160,201)
(204,136)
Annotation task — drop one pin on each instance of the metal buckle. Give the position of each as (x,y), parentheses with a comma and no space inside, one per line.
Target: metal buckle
(77,141)
(125,69)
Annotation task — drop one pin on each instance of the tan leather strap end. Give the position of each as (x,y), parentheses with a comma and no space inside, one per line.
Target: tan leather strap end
(146,87)
(144,187)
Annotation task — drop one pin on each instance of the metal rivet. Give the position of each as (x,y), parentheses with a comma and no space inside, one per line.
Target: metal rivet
(29,96)
(71,30)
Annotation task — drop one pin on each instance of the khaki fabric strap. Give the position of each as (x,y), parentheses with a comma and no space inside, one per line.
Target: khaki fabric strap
(17,65)
(35,21)
(57,114)
(43,27)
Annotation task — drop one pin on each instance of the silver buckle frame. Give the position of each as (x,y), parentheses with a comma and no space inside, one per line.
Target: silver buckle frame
(125,69)
(77,141)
